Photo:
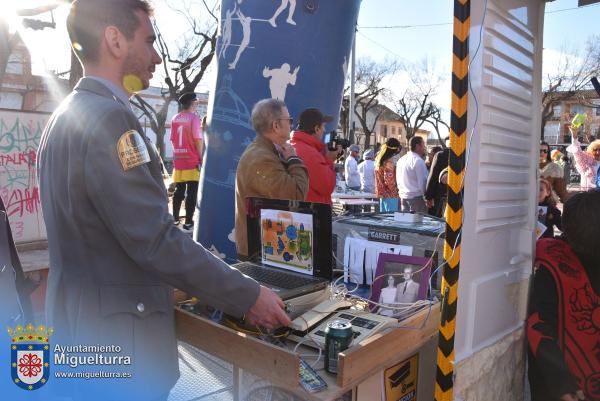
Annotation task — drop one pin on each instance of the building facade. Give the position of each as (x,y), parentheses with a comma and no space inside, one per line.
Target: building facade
(21,90)
(586,102)
(386,124)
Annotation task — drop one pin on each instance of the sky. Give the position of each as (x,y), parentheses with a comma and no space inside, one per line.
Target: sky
(566,29)
(425,32)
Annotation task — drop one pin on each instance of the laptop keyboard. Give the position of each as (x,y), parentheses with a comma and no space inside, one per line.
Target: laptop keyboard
(274,278)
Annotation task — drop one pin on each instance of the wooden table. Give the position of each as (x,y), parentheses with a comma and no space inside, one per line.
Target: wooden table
(360,367)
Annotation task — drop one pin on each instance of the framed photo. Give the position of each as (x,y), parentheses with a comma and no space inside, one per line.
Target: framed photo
(399,279)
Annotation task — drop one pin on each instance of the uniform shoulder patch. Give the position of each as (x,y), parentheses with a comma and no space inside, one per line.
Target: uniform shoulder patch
(132,150)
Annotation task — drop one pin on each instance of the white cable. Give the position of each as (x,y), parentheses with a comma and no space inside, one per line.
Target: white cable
(471,134)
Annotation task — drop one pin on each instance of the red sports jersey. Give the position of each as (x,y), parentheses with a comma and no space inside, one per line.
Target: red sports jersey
(185,130)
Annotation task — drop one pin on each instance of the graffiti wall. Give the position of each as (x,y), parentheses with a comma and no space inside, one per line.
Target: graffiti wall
(20,134)
(293,50)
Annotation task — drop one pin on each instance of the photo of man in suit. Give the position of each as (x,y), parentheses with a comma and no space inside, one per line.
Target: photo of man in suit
(407,291)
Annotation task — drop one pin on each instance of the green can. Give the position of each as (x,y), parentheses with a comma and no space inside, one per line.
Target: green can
(338,336)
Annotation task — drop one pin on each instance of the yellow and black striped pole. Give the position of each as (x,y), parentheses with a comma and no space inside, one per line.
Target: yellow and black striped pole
(454,209)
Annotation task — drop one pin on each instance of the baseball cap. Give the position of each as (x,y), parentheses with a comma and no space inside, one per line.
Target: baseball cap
(187,97)
(311,117)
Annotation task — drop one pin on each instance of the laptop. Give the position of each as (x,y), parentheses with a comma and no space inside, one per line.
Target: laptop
(289,246)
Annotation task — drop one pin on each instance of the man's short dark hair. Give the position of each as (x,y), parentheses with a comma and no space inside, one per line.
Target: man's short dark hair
(88,19)
(414,141)
(186,100)
(581,222)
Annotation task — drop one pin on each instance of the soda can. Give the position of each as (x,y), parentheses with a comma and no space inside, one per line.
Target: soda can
(338,336)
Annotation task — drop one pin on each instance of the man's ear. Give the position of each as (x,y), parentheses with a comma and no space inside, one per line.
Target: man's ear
(115,42)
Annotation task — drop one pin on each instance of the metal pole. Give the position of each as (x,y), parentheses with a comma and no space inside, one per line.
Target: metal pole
(444,387)
(352,100)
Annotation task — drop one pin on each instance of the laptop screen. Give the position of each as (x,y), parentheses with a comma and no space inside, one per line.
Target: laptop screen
(291,235)
(287,240)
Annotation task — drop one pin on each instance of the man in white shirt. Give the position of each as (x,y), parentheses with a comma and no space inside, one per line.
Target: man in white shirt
(366,171)
(411,176)
(351,169)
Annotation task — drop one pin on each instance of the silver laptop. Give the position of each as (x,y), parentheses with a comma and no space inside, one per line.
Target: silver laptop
(289,244)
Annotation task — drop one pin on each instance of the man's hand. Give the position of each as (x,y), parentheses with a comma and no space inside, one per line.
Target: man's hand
(268,310)
(287,151)
(333,154)
(429,203)
(577,396)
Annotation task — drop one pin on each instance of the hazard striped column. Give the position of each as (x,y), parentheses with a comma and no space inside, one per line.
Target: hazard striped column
(454,210)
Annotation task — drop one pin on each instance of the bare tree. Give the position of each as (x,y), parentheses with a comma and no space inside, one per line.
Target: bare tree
(369,94)
(415,106)
(436,120)
(183,72)
(571,75)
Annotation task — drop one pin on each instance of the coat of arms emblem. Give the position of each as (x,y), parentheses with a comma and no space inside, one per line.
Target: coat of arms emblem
(30,356)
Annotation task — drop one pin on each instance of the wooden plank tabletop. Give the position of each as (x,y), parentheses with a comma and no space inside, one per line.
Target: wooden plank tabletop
(280,365)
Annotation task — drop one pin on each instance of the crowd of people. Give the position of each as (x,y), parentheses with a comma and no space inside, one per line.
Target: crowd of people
(564,300)
(408,183)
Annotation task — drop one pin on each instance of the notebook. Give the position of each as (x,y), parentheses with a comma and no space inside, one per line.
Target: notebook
(289,243)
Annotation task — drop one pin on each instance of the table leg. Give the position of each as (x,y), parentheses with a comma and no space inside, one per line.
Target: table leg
(237,383)
(369,389)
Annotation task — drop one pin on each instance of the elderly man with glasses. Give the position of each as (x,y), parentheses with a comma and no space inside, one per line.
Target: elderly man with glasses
(269,167)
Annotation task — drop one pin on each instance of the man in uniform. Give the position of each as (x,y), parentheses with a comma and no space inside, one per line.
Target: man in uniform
(115,254)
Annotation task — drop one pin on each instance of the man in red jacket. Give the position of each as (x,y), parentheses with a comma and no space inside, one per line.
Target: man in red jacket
(308,142)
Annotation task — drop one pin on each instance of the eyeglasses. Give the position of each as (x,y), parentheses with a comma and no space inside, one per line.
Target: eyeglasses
(543,150)
(290,119)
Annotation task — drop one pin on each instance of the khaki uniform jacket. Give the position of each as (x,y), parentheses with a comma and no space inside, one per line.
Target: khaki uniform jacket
(115,254)
(261,173)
